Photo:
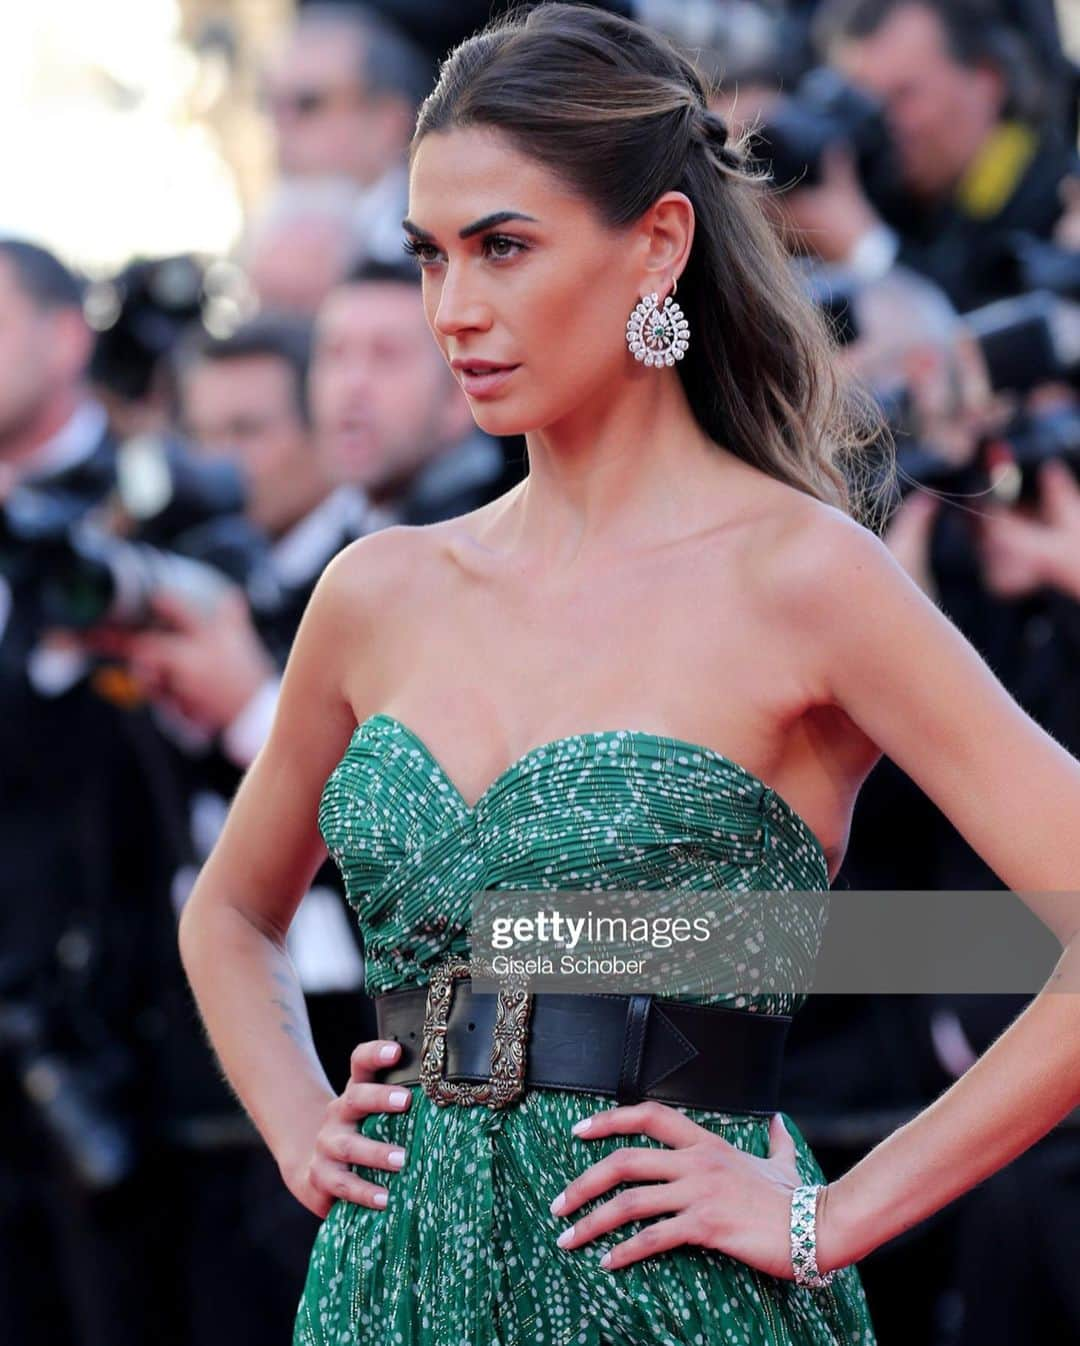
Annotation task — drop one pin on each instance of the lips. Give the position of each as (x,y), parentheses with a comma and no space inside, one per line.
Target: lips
(480,378)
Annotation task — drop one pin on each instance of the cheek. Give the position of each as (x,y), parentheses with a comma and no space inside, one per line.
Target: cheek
(276,447)
(393,396)
(326,393)
(579,337)
(24,372)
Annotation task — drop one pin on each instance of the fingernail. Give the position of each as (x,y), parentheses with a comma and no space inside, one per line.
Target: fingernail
(399,1098)
(583,1125)
(558,1203)
(397,1157)
(565,1237)
(605,1261)
(389,1052)
(379,1198)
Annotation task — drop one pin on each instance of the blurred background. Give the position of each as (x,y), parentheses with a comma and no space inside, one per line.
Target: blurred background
(215,373)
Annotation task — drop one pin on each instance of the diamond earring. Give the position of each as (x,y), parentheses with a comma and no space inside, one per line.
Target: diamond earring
(658,336)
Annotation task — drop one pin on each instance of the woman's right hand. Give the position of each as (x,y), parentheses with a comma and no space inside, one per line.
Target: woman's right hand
(326,1176)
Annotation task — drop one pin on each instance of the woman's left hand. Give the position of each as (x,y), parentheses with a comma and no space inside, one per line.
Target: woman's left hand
(719,1196)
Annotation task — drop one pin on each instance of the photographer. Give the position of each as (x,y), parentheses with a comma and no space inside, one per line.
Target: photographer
(978,159)
(86,783)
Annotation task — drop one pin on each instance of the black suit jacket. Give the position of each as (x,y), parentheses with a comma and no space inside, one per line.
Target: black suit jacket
(90,835)
(967,255)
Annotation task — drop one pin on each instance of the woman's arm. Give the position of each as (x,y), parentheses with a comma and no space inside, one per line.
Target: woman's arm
(906,676)
(232,929)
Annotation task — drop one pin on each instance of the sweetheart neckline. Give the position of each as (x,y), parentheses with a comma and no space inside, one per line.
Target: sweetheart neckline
(514,766)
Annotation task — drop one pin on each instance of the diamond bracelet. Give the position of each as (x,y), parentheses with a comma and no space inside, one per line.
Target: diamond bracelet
(804,1239)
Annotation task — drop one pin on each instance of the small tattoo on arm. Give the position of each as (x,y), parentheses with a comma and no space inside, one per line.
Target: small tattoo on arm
(291,1023)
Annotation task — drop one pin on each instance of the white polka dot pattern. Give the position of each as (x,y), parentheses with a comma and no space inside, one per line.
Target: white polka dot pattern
(465,1253)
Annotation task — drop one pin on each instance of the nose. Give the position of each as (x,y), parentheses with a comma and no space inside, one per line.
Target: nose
(460,308)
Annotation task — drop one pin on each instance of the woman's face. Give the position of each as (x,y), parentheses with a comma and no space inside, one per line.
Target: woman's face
(526,291)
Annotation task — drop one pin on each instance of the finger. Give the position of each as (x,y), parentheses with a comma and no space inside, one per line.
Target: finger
(359,1099)
(101,641)
(175,609)
(638,1202)
(341,1185)
(1004,526)
(656,1238)
(347,1146)
(233,603)
(650,1118)
(368,1058)
(1058,490)
(629,1164)
(922,505)
(152,648)
(781,1141)
(839,161)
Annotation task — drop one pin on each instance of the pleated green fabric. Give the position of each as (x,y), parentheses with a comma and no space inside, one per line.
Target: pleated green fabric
(465,1253)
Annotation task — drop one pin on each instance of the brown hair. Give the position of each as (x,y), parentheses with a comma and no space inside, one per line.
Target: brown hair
(621,117)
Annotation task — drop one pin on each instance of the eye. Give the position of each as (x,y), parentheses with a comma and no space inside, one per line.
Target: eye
(425,253)
(501,246)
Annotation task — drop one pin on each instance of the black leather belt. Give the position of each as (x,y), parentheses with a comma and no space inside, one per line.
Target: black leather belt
(471,1047)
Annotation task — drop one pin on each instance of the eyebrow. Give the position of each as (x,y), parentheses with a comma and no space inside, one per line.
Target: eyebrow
(477,226)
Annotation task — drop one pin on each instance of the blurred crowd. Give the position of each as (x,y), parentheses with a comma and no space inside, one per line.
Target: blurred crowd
(185,445)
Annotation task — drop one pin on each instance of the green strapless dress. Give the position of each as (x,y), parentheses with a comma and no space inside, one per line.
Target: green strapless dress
(464,1253)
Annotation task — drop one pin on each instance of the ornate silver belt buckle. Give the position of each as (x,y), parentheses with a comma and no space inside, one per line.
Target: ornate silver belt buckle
(506,1082)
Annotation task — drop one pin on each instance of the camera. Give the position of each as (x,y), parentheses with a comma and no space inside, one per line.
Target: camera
(173,522)
(1005,467)
(826,110)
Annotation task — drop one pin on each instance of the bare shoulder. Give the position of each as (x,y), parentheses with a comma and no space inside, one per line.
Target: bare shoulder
(815,553)
(339,642)
(372,568)
(377,574)
(815,573)
(405,558)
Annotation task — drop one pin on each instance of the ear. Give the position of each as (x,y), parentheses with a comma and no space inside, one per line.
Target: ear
(668,234)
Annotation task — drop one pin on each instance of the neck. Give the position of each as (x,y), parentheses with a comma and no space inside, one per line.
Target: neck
(304,494)
(617,474)
(21,443)
(391,491)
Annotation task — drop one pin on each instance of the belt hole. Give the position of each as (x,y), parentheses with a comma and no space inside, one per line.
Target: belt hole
(412,1035)
(471,1027)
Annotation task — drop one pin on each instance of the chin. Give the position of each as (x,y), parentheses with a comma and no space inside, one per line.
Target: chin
(502,418)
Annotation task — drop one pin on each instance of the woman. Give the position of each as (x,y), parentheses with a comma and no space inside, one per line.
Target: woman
(524,697)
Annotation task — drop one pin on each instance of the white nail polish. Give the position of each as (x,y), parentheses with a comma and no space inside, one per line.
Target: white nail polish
(558,1203)
(565,1237)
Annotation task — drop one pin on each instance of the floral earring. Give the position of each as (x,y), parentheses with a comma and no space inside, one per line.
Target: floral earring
(658,336)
